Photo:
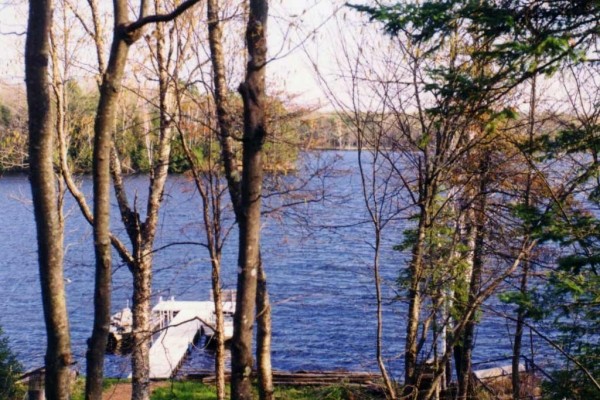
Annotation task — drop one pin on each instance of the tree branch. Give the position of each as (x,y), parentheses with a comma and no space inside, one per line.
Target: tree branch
(134,26)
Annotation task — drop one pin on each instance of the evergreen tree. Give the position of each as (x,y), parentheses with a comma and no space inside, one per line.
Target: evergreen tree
(10,369)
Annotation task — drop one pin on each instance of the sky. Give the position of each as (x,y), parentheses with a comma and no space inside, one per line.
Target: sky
(300,33)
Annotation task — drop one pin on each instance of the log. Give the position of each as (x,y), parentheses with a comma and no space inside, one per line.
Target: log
(305,378)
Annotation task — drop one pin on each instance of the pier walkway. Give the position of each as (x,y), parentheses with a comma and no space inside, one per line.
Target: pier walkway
(179,323)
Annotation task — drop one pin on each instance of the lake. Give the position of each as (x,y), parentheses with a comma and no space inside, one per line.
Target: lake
(317,257)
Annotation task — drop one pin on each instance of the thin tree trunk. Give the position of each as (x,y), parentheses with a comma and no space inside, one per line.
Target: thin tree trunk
(414,306)
(370,198)
(462,303)
(212,226)
(517,345)
(47,218)
(215,35)
(521,313)
(219,328)
(391,392)
(464,368)
(253,95)
(263,337)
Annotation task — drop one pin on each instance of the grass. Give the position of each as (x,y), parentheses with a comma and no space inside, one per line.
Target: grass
(78,388)
(190,390)
(198,391)
(184,391)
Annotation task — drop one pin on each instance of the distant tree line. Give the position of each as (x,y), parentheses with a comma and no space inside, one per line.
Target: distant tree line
(137,122)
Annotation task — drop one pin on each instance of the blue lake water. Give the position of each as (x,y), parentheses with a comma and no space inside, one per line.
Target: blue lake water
(318,259)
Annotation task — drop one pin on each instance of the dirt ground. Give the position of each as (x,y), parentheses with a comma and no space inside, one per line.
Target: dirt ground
(122,391)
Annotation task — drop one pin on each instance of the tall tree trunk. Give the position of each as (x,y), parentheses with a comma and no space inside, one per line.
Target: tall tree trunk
(521,312)
(215,36)
(263,336)
(414,305)
(462,296)
(391,391)
(253,95)
(219,328)
(142,331)
(106,162)
(464,367)
(49,229)
(103,127)
(211,215)
(517,345)
(371,200)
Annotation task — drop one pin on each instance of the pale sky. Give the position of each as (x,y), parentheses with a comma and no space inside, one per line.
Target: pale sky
(297,29)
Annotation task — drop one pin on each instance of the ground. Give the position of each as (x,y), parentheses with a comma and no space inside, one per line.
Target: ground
(122,391)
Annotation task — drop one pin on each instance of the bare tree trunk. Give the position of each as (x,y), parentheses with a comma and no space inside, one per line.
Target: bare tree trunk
(462,301)
(521,313)
(215,35)
(391,391)
(103,127)
(49,228)
(142,331)
(517,345)
(106,162)
(464,367)
(253,95)
(372,203)
(219,329)
(263,337)
(414,306)
(228,160)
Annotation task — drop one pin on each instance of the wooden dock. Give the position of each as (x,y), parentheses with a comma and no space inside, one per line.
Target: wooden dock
(180,323)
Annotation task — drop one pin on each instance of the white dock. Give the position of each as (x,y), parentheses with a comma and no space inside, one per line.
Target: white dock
(496,372)
(181,322)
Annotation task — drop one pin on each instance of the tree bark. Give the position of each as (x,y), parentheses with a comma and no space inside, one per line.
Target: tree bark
(263,336)
(220,328)
(48,223)
(215,37)
(103,127)
(414,305)
(517,345)
(521,312)
(464,366)
(142,331)
(106,162)
(253,96)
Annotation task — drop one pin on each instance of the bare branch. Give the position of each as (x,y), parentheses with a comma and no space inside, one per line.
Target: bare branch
(134,26)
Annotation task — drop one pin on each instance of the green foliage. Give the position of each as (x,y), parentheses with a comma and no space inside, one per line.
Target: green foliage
(571,301)
(10,370)
(512,40)
(529,302)
(535,29)
(571,382)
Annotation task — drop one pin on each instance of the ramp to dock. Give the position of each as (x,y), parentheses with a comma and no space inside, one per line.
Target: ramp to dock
(169,350)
